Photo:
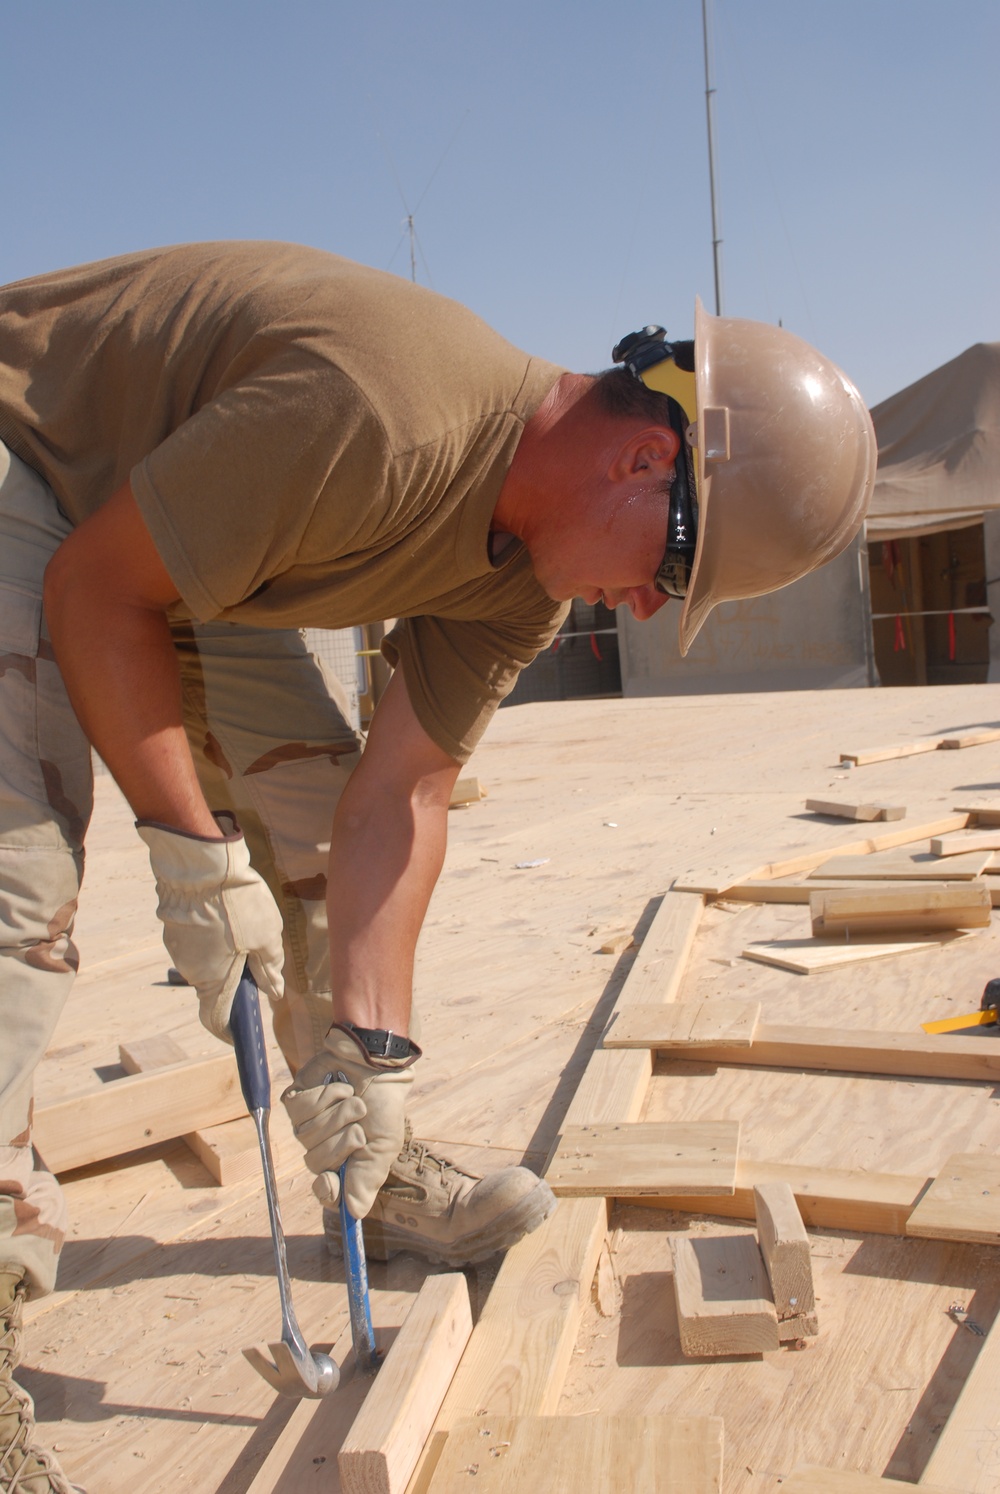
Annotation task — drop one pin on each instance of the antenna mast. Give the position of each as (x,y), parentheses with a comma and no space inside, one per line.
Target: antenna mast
(710,113)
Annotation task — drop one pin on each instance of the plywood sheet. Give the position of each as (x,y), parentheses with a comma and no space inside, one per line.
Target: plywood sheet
(687,1024)
(581,1455)
(963,1202)
(624,1160)
(836,1481)
(906,869)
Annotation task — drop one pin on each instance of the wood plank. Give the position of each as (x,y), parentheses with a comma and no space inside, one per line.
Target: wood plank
(467,790)
(908,908)
(140,1110)
(948,869)
(801,892)
(784,1246)
(838,1481)
(966,1456)
(912,1055)
(963,1202)
(965,842)
(813,956)
(230,1152)
(723,1304)
(865,755)
(840,809)
(628,1159)
(685,1024)
(977,738)
(982,814)
(827,1198)
(715,880)
(573,1454)
(381,1449)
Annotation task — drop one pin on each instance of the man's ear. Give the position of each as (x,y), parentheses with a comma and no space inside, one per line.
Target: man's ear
(653,450)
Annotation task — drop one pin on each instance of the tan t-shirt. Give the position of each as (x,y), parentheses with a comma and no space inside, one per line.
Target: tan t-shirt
(311,443)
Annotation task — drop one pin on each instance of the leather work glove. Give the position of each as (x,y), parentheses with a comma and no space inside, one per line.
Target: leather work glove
(360,1121)
(217,913)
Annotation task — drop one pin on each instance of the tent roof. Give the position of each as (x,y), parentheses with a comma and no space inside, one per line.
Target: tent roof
(939,448)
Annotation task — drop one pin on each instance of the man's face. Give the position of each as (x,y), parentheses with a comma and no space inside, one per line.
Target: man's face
(610,550)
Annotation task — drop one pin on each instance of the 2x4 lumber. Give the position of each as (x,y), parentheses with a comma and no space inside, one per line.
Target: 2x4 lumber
(723,1305)
(381,1449)
(841,810)
(801,892)
(569,1454)
(229,1152)
(865,755)
(847,1050)
(517,1358)
(837,1481)
(139,1110)
(874,910)
(628,1159)
(982,814)
(784,1246)
(813,956)
(715,881)
(966,1456)
(827,1198)
(978,737)
(966,842)
(466,791)
(685,1024)
(963,1202)
(946,869)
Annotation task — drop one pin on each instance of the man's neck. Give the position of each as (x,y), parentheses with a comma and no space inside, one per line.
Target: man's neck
(542,457)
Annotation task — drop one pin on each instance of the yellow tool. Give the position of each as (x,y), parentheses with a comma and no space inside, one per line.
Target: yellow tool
(984,1023)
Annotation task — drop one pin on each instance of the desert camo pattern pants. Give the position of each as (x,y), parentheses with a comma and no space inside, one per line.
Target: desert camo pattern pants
(269,732)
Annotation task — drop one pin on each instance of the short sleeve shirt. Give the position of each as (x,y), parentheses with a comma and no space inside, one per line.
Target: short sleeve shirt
(312,443)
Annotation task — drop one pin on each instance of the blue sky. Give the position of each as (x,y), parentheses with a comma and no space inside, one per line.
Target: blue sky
(553,155)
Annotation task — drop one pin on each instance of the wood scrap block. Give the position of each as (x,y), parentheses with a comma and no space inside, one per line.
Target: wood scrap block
(965,842)
(684,1024)
(978,737)
(863,868)
(914,908)
(230,1151)
(842,810)
(982,814)
(614,943)
(571,1454)
(963,1202)
(381,1450)
(784,1246)
(839,1481)
(810,956)
(466,791)
(723,1303)
(140,1110)
(627,1159)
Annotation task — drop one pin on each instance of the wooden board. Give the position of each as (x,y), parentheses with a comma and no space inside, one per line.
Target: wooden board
(978,738)
(722,1298)
(381,1450)
(865,755)
(963,1202)
(138,1111)
(685,1024)
(801,892)
(982,814)
(466,791)
(965,842)
(814,956)
(841,810)
(629,1159)
(784,1246)
(908,908)
(947,869)
(581,1455)
(230,1152)
(966,1457)
(736,867)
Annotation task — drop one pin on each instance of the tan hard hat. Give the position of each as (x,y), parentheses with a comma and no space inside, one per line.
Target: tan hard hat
(785,456)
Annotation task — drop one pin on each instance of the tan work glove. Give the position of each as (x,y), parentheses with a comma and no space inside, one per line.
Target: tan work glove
(217,913)
(360,1122)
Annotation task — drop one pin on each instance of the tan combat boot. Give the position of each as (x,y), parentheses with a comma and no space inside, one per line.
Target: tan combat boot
(432,1207)
(24,1468)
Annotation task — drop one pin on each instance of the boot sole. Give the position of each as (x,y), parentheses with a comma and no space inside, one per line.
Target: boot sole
(383,1240)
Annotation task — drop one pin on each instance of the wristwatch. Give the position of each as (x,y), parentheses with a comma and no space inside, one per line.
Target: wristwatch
(380,1042)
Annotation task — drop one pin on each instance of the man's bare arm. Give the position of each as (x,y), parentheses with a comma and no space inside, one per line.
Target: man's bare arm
(388,845)
(106,595)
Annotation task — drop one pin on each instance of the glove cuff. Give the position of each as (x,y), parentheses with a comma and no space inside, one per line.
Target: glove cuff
(221,817)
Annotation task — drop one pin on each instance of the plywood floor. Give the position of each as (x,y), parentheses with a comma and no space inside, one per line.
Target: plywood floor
(135,1362)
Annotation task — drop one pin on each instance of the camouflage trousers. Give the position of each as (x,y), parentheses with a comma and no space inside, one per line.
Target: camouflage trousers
(269,732)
